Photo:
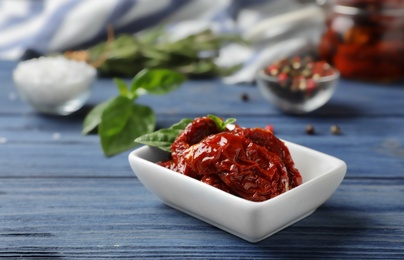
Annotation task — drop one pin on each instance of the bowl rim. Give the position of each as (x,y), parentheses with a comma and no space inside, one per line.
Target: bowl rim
(261,74)
(338,163)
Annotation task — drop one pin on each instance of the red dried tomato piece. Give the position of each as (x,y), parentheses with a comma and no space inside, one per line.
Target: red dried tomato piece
(192,134)
(249,170)
(249,162)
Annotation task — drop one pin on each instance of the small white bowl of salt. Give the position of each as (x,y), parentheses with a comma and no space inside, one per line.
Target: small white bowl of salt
(54,85)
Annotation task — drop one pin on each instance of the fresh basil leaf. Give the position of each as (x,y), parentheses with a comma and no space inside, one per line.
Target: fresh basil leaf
(157,82)
(229,121)
(165,137)
(123,88)
(221,125)
(93,118)
(141,120)
(115,116)
(119,121)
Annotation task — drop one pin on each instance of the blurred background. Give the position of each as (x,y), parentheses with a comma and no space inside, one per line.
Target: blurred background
(30,28)
(364,39)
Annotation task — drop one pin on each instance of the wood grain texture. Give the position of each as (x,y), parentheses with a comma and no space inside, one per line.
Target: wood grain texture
(351,99)
(61,198)
(378,140)
(96,217)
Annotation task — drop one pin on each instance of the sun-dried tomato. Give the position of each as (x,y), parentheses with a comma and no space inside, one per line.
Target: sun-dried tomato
(249,162)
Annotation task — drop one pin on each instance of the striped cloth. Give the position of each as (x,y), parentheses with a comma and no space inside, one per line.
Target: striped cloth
(49,26)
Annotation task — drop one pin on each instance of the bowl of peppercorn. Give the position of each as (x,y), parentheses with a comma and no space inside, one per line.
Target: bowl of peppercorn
(298,85)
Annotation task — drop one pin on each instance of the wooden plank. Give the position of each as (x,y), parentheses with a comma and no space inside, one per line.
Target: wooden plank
(61,198)
(19,129)
(83,159)
(118,217)
(43,146)
(350,99)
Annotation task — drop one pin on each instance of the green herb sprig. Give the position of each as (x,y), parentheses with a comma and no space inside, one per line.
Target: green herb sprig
(119,120)
(221,125)
(165,137)
(125,55)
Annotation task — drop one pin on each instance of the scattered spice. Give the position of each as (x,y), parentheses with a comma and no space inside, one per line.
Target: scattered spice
(245,97)
(310,129)
(335,130)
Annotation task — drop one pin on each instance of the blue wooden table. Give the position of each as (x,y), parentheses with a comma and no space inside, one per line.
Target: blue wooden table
(61,198)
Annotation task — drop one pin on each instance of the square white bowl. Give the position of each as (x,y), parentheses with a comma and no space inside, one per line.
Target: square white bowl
(252,221)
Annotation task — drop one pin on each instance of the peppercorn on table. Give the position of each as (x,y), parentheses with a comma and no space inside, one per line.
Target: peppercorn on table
(60,197)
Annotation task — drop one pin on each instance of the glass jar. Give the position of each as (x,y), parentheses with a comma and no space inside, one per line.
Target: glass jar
(364,39)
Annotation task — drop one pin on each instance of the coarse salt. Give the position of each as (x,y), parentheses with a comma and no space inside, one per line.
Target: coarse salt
(50,82)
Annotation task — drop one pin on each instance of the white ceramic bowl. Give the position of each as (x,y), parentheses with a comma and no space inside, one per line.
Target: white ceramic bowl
(252,221)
